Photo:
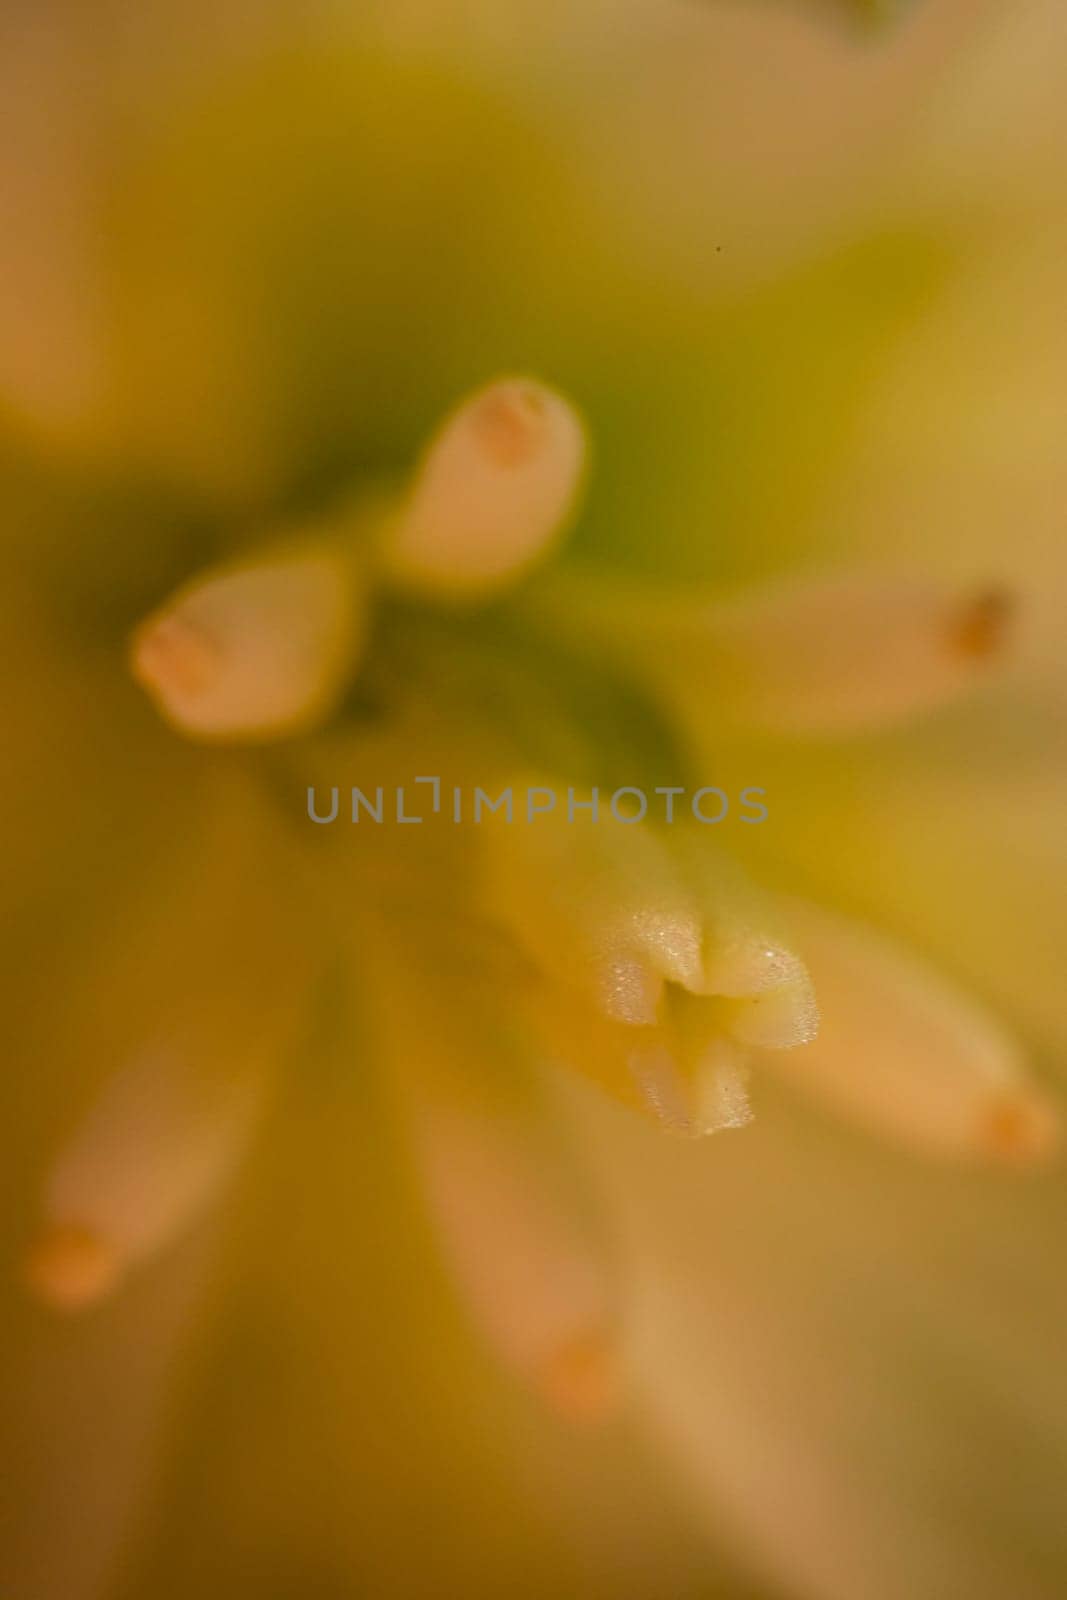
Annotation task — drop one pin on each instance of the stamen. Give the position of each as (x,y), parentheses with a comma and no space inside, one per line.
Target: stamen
(839,655)
(496,487)
(904,1053)
(172,655)
(70,1268)
(1021,1128)
(256,649)
(514,1218)
(827,656)
(178,1013)
(580,1379)
(982,627)
(530,1270)
(509,421)
(153,1151)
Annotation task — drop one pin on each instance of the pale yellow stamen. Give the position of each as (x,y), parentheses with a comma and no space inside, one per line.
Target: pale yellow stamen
(530,1271)
(173,659)
(152,1152)
(495,489)
(257,649)
(843,654)
(174,1014)
(832,655)
(514,1219)
(510,421)
(903,1052)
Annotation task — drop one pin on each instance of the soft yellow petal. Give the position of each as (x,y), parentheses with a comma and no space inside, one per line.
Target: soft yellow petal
(89,1416)
(830,1335)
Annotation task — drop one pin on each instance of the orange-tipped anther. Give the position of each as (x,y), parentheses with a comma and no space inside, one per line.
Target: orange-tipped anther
(981,629)
(71,1268)
(581,1379)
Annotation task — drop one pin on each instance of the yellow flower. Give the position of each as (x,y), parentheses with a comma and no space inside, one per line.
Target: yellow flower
(364,742)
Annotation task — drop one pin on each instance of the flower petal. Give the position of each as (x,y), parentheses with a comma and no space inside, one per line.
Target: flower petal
(831,1336)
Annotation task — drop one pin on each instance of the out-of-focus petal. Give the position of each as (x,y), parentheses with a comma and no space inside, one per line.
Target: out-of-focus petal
(53,355)
(852,1355)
